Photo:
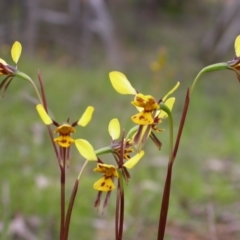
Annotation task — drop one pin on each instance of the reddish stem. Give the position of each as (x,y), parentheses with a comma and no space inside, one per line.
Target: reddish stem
(62,201)
(69,211)
(167,187)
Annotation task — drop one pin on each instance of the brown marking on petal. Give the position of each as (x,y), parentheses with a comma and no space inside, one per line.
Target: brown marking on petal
(103,183)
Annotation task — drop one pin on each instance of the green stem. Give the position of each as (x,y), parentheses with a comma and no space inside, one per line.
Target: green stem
(210,68)
(170,120)
(82,169)
(104,150)
(26,77)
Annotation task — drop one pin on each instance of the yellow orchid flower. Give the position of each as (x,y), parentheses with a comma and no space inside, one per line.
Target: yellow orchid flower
(150,113)
(146,104)
(65,130)
(105,183)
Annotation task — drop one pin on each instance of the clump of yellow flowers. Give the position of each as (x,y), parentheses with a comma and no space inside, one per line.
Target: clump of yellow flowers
(126,148)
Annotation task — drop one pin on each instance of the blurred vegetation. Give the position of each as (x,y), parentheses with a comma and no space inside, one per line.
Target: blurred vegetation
(207,167)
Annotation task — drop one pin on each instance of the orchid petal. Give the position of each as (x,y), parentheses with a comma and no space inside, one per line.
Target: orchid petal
(134,160)
(86,117)
(143,118)
(104,184)
(43,114)
(121,84)
(86,149)
(16,51)
(237,46)
(114,129)
(171,91)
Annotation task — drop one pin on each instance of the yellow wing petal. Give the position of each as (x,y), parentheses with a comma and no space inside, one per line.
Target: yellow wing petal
(86,117)
(134,160)
(121,84)
(43,114)
(237,46)
(114,129)
(16,51)
(104,184)
(85,149)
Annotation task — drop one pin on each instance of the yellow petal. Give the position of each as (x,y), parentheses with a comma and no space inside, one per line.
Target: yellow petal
(121,84)
(114,129)
(147,102)
(65,129)
(16,51)
(169,103)
(143,118)
(109,170)
(3,62)
(64,141)
(237,46)
(134,160)
(85,149)
(171,91)
(86,117)
(104,184)
(43,114)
